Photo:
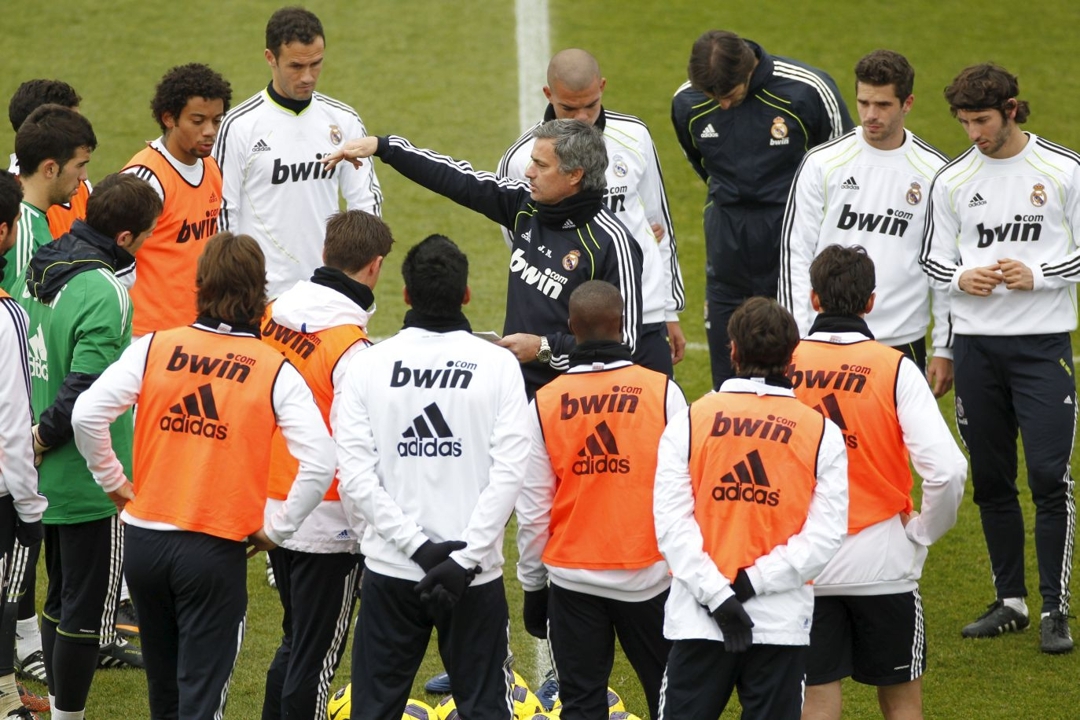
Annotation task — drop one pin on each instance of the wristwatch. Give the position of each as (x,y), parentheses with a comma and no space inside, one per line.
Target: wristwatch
(544,353)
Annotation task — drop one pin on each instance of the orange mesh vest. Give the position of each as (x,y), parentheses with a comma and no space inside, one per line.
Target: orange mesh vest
(753,469)
(854,385)
(164,290)
(205,420)
(62,217)
(315,355)
(602,430)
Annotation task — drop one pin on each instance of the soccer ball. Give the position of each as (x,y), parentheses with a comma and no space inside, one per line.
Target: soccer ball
(447,709)
(541,716)
(340,705)
(416,710)
(526,704)
(621,715)
(614,702)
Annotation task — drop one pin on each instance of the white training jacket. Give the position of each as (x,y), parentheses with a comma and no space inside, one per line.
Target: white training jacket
(534,521)
(431,437)
(1026,208)
(887,558)
(18,476)
(847,192)
(333,526)
(299,418)
(784,605)
(635,194)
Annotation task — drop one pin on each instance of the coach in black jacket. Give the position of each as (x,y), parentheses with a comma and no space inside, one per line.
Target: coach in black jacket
(562,234)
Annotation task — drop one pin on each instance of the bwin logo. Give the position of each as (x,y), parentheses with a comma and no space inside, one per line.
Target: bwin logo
(198,229)
(1026,228)
(193,416)
(298,172)
(429,436)
(776,429)
(621,399)
(893,222)
(850,378)
(457,374)
(747,482)
(303,344)
(600,454)
(546,281)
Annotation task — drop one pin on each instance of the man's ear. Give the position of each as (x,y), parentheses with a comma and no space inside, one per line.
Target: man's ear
(125,238)
(734,357)
(575,177)
(870,303)
(815,301)
(468,296)
(405,294)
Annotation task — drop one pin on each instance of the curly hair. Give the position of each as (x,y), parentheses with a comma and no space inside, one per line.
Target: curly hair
(436,274)
(986,87)
(32,94)
(843,278)
(184,82)
(885,67)
(764,335)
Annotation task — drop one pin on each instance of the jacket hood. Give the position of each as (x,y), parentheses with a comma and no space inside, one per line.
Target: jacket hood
(308,307)
(78,251)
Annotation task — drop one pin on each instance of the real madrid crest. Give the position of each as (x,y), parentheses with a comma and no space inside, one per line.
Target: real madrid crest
(914,194)
(1038,195)
(779,128)
(618,165)
(570,260)
(335,135)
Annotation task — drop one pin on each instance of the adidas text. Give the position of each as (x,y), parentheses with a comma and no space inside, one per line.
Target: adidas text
(261,146)
(849,184)
(621,399)
(746,493)
(709,132)
(747,482)
(1026,228)
(194,426)
(232,367)
(893,222)
(432,447)
(601,464)
(976,201)
(457,374)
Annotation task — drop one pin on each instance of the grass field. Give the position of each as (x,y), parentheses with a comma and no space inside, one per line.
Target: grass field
(444,75)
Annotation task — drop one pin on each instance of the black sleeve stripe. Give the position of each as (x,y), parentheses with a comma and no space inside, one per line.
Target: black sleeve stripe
(629,283)
(928,147)
(1058,149)
(223,134)
(828,99)
(327,100)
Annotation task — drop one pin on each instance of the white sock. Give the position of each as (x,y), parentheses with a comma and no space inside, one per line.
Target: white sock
(124,594)
(28,636)
(9,694)
(67,714)
(1016,604)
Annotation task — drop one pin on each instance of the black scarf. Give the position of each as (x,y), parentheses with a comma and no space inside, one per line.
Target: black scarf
(578,210)
(598,351)
(296,106)
(417,319)
(337,280)
(836,323)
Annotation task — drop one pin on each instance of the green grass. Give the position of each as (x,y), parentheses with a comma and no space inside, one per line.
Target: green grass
(444,75)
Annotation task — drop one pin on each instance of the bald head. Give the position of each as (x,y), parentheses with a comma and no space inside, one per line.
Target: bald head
(574,86)
(596,312)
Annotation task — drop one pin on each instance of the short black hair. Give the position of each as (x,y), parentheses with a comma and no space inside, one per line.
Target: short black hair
(32,94)
(292,24)
(843,278)
(436,275)
(122,202)
(52,132)
(719,62)
(11,195)
(885,67)
(765,336)
(184,82)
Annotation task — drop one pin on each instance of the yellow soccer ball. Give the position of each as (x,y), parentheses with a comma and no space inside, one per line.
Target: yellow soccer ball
(340,705)
(541,716)
(526,704)
(416,710)
(447,709)
(614,702)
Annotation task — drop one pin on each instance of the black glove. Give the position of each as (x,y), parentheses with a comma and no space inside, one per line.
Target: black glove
(735,624)
(445,583)
(430,554)
(744,589)
(28,534)
(535,612)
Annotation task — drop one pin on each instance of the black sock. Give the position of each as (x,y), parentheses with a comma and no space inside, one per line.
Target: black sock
(74,664)
(48,641)
(8,618)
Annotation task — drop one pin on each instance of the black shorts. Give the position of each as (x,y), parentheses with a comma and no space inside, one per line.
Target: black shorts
(83,562)
(874,639)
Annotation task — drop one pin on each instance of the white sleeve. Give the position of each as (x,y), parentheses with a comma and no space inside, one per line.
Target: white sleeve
(512,165)
(534,508)
(509,451)
(18,476)
(803,217)
(309,442)
(1063,271)
(358,463)
(941,336)
(144,173)
(805,554)
(934,454)
(337,379)
(230,151)
(359,186)
(676,403)
(654,198)
(677,531)
(940,257)
(99,405)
